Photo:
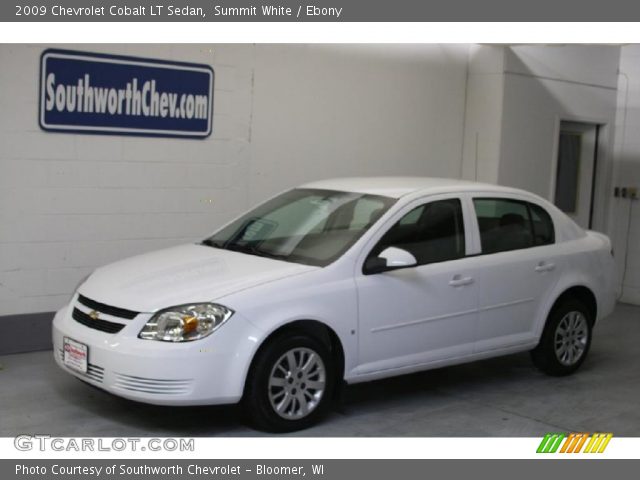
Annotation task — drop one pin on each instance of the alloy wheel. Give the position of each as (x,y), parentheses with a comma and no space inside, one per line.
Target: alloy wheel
(297,383)
(571,338)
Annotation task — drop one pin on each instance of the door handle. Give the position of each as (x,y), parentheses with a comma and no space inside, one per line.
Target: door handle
(460,281)
(545,267)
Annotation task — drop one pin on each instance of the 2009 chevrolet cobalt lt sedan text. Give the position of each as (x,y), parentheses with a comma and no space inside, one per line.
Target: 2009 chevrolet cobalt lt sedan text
(340,280)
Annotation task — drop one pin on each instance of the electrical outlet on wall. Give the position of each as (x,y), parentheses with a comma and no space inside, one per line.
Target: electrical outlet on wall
(626,192)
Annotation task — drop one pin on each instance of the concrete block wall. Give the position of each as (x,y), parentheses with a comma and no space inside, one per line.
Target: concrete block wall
(69,203)
(342,110)
(283,114)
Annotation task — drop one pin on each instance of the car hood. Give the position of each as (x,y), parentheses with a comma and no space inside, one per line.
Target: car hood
(182,274)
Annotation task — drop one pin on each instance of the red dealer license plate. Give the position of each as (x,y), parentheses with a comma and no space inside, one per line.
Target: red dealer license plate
(75,355)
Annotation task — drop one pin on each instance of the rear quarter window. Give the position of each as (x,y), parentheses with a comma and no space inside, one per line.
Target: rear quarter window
(543,230)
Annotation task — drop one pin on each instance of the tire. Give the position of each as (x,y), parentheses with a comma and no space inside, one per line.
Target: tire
(290,384)
(565,340)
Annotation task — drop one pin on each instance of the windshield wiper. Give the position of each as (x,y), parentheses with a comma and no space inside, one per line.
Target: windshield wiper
(275,256)
(253,250)
(243,248)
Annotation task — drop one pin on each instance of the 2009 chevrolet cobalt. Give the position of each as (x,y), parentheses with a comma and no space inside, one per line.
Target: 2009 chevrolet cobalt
(340,280)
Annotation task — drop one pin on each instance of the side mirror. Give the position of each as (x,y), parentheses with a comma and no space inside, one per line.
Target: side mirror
(390,258)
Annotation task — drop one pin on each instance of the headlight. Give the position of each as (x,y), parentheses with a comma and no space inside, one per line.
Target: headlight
(185,323)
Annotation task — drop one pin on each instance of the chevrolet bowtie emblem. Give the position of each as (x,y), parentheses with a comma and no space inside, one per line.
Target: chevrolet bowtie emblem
(94,315)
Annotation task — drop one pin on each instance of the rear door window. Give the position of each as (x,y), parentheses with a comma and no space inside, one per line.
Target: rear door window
(507,224)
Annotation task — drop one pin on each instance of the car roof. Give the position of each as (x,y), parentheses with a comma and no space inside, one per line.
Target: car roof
(397,187)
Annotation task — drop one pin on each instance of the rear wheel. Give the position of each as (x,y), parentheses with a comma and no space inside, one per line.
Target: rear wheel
(565,340)
(291,383)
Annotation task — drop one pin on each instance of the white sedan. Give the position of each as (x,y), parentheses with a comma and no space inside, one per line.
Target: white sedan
(345,280)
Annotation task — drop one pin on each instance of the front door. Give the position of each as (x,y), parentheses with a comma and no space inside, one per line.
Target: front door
(426,313)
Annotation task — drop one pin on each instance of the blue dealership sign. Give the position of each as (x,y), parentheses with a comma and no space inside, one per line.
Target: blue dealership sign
(94,93)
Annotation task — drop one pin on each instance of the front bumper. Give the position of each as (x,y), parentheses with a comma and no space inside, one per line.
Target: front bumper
(203,372)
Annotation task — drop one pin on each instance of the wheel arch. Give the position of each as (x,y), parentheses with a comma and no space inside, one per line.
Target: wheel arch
(319,330)
(581,293)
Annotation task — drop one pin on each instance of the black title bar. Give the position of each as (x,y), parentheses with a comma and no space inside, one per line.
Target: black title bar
(314,469)
(319,11)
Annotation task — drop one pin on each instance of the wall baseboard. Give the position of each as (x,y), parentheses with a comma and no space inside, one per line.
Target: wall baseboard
(29,332)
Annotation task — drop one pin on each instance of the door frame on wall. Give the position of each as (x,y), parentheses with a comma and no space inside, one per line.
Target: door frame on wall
(602,173)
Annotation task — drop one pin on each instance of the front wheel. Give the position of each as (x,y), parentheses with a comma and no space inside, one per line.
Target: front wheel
(290,384)
(565,340)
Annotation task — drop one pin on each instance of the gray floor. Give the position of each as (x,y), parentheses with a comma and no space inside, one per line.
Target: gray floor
(498,397)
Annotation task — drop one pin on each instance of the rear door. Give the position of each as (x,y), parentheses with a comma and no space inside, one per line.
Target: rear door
(518,266)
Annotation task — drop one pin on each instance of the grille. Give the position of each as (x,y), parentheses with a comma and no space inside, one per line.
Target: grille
(152,385)
(94,372)
(108,309)
(102,325)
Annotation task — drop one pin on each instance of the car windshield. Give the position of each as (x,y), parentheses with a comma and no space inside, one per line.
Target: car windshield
(309,226)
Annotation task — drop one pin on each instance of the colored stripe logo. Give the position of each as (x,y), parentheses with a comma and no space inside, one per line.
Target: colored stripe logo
(580,442)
